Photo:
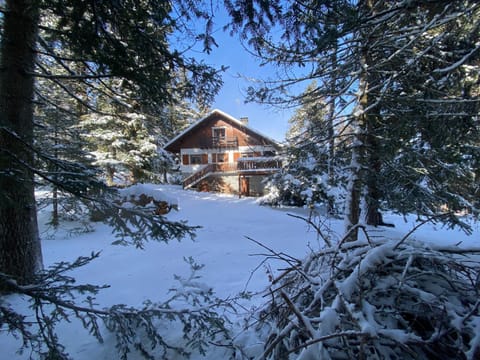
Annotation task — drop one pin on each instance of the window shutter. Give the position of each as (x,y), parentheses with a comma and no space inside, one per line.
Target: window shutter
(185,160)
(204,158)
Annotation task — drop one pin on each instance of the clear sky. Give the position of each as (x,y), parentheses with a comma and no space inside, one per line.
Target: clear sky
(272,122)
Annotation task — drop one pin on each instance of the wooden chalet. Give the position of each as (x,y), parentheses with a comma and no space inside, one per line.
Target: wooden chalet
(220,153)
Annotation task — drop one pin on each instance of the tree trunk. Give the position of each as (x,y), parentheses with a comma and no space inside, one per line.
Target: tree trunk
(362,126)
(55,218)
(20,248)
(331,132)
(356,181)
(136,174)
(109,175)
(372,217)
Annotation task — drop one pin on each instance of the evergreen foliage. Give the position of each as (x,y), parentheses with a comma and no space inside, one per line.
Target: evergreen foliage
(85,53)
(398,75)
(108,58)
(60,151)
(399,78)
(305,179)
(56,297)
(119,143)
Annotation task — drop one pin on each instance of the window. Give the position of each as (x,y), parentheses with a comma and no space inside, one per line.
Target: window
(219,157)
(219,133)
(218,136)
(195,159)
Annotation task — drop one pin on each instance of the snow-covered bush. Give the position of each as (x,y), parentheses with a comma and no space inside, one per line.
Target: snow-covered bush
(379,299)
(147,196)
(303,190)
(299,189)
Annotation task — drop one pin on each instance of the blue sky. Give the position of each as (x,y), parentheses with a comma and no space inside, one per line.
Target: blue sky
(272,122)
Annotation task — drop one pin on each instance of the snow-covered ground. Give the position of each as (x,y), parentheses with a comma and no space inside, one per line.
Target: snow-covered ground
(232,262)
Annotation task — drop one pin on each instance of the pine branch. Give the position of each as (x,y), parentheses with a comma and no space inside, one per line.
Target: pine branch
(54,288)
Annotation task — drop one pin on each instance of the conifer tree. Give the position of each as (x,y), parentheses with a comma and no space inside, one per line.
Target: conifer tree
(91,41)
(57,134)
(368,49)
(403,72)
(306,178)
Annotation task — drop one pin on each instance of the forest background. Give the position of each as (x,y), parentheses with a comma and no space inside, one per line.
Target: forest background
(388,120)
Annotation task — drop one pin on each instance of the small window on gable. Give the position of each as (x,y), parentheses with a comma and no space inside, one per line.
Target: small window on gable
(219,133)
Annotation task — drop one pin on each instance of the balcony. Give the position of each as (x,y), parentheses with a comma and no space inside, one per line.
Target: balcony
(245,166)
(224,142)
(258,163)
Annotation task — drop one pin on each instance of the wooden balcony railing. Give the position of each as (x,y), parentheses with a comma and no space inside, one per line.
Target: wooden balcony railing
(224,141)
(244,165)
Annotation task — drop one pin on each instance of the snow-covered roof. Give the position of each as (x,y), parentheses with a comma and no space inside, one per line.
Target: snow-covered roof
(226,116)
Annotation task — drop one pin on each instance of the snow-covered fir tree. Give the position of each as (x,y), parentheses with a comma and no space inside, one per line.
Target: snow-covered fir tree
(305,180)
(62,161)
(390,67)
(121,143)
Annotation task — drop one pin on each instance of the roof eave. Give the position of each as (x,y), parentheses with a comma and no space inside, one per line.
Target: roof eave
(229,117)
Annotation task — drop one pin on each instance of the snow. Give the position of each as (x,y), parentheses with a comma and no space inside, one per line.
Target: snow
(232,263)
(151,190)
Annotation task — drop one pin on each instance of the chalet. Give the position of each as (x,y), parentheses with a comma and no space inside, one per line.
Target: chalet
(220,153)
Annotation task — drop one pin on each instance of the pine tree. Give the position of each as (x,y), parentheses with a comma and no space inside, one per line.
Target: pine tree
(58,136)
(404,74)
(363,55)
(437,153)
(91,41)
(306,178)
(20,251)
(119,143)
(80,45)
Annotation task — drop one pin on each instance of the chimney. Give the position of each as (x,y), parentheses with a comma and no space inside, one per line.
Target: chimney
(244,120)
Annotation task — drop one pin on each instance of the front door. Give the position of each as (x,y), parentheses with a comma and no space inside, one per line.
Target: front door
(244,186)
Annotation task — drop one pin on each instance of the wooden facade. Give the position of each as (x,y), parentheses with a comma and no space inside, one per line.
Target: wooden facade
(221,153)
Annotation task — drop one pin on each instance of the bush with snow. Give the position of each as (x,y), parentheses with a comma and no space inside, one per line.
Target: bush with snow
(147,196)
(379,299)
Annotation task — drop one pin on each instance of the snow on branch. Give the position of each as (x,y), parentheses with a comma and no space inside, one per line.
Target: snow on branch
(459,62)
(390,299)
(56,298)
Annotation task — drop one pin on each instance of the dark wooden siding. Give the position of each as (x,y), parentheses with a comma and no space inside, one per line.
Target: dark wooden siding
(201,136)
